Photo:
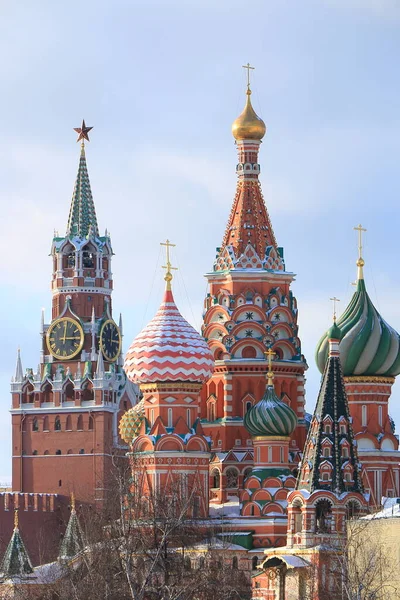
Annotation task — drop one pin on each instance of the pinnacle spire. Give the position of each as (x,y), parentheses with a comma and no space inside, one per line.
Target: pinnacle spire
(82,220)
(19,373)
(16,561)
(73,541)
(330,459)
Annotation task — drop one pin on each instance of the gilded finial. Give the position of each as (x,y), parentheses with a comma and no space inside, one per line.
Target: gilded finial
(270,374)
(16,519)
(83,134)
(334,300)
(248,67)
(168,267)
(248,125)
(72,501)
(360,262)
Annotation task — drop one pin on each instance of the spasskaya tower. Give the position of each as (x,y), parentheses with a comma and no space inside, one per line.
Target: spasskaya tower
(65,413)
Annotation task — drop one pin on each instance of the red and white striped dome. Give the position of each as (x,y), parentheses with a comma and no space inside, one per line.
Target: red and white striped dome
(168,349)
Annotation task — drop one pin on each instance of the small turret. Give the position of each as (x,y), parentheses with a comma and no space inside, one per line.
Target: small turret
(16,561)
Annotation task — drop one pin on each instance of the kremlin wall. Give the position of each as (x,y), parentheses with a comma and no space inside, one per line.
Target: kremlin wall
(224,408)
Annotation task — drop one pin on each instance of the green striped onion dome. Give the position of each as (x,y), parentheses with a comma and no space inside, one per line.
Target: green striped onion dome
(131,421)
(270,416)
(368,345)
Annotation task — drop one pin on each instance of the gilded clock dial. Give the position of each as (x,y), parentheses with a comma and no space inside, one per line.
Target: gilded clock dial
(110,340)
(65,338)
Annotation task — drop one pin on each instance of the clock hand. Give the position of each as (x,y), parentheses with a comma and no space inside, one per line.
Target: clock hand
(65,332)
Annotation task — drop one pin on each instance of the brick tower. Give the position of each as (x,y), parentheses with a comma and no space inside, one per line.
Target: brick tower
(65,413)
(370,356)
(248,309)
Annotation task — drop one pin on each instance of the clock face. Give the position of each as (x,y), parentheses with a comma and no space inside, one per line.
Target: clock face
(65,338)
(110,340)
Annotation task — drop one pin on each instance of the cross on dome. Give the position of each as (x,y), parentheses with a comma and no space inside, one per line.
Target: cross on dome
(248,67)
(168,275)
(334,300)
(270,374)
(360,262)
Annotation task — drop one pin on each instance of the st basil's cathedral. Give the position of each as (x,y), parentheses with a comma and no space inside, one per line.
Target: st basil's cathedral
(224,408)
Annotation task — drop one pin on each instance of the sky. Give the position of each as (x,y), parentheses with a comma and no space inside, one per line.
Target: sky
(161,82)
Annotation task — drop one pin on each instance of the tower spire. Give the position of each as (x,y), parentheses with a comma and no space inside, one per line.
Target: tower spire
(19,373)
(249,222)
(82,219)
(16,561)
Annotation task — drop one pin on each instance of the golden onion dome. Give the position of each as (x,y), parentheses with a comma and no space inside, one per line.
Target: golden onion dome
(248,126)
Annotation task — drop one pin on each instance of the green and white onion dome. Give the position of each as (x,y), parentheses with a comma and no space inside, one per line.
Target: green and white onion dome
(131,421)
(270,416)
(368,345)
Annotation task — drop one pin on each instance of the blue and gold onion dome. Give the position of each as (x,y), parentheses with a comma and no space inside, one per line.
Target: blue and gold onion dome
(368,345)
(270,416)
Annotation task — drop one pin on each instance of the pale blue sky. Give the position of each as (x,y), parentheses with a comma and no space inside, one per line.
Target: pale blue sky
(161,82)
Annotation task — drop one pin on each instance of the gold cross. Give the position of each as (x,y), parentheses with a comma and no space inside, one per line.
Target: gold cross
(248,67)
(334,300)
(168,266)
(268,355)
(360,229)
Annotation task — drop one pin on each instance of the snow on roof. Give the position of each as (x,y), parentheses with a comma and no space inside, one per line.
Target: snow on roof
(391,508)
(231,508)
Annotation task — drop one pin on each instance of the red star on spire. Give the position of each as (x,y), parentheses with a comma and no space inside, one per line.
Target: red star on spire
(83,132)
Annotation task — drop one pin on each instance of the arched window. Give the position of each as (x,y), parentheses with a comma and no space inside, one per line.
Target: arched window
(88,259)
(343,429)
(57,425)
(327,452)
(345,452)
(380,413)
(215,479)
(347,477)
(46,452)
(269,454)
(69,451)
(323,513)
(87,392)
(249,352)
(47,392)
(69,393)
(248,406)
(28,394)
(325,476)
(211,411)
(235,562)
(152,416)
(91,423)
(188,419)
(327,429)
(34,452)
(68,425)
(231,478)
(79,425)
(170,417)
(352,510)
(254,563)
(58,452)
(82,451)
(364,415)
(35,424)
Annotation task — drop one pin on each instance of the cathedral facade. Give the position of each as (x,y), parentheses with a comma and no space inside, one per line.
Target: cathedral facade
(223,409)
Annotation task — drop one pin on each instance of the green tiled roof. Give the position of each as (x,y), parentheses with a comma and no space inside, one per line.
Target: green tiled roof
(73,540)
(82,220)
(16,561)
